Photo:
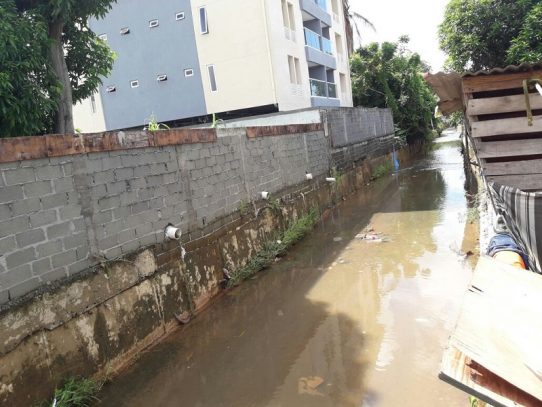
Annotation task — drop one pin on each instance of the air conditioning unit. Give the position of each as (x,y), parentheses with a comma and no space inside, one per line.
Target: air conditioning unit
(161,78)
(111,88)
(153,23)
(124,31)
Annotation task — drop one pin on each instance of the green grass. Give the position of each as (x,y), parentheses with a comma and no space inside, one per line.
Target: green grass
(275,247)
(382,170)
(76,392)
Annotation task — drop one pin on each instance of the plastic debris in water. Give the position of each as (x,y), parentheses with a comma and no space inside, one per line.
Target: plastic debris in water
(337,239)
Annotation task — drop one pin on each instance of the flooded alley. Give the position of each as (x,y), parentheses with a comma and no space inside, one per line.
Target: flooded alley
(340,321)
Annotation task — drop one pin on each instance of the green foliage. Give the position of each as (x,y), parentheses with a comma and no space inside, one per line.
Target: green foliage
(27,86)
(527,46)
(275,247)
(154,125)
(389,75)
(216,122)
(75,393)
(382,170)
(243,207)
(30,89)
(478,34)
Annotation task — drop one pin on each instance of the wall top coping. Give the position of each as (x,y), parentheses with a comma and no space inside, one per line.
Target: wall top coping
(59,145)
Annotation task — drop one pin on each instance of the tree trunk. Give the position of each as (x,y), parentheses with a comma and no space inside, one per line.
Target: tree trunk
(64,114)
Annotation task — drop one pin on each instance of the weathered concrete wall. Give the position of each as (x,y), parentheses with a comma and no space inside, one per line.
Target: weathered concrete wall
(353,126)
(61,215)
(111,284)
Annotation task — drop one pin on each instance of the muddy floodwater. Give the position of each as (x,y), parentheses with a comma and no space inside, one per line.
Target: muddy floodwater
(340,321)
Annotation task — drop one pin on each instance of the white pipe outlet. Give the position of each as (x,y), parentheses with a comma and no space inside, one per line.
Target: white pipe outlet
(265,195)
(331,179)
(308,176)
(173,233)
(538,88)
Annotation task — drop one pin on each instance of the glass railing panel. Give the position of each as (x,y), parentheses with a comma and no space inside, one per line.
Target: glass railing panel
(331,90)
(312,39)
(326,46)
(318,88)
(322,4)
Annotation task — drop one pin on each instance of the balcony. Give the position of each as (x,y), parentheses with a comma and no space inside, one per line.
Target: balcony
(316,9)
(319,50)
(323,94)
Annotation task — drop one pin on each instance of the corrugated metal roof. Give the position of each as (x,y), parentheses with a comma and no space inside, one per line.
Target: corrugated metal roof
(525,67)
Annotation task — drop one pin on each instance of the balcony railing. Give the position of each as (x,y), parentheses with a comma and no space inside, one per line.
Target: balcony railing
(323,89)
(322,4)
(315,40)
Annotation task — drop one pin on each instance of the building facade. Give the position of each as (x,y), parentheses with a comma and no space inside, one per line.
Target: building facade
(191,58)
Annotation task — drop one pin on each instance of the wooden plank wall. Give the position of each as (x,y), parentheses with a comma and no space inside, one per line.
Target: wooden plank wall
(509,149)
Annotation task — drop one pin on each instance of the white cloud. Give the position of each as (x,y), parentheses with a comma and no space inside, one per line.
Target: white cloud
(419,19)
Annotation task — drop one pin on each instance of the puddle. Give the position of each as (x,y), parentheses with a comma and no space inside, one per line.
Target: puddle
(338,322)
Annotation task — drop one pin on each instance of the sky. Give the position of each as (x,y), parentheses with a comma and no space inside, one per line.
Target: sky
(419,19)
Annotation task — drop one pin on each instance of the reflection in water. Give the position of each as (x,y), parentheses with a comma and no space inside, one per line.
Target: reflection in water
(339,322)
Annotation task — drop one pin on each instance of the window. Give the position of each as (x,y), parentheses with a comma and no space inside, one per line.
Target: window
(295,70)
(161,78)
(103,37)
(189,72)
(291,16)
(179,16)
(212,79)
(153,23)
(92,104)
(291,67)
(124,31)
(285,19)
(111,89)
(134,84)
(203,20)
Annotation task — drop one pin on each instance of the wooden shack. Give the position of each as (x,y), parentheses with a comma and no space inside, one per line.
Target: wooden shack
(493,353)
(507,143)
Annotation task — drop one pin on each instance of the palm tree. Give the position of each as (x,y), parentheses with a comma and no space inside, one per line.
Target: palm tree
(351,19)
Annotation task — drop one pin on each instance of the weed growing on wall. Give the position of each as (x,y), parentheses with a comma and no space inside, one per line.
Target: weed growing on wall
(275,247)
(154,125)
(76,392)
(382,170)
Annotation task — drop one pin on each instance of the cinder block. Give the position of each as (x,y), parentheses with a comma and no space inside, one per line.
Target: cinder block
(7,244)
(20,257)
(103,217)
(104,177)
(25,206)
(143,229)
(19,176)
(75,240)
(69,212)
(54,275)
(50,172)
(37,189)
(11,193)
(67,169)
(5,212)
(122,174)
(108,203)
(29,237)
(54,201)
(130,247)
(128,198)
(64,259)
(139,207)
(13,226)
(113,228)
(63,184)
(109,242)
(41,266)
(24,288)
(82,253)
(116,188)
(111,162)
(60,230)
(4,296)
(49,248)
(79,266)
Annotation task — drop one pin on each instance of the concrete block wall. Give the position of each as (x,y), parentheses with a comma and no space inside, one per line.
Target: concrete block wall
(68,202)
(61,215)
(349,126)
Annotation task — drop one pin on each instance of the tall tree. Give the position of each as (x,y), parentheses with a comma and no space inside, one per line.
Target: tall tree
(28,90)
(75,57)
(390,75)
(351,19)
(527,46)
(476,34)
